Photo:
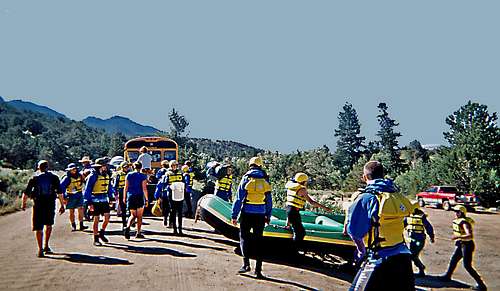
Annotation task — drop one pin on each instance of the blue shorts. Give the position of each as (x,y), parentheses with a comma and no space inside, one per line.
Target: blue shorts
(135,201)
(74,201)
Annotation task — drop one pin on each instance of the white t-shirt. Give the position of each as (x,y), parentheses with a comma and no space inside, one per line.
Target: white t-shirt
(177,191)
(145,160)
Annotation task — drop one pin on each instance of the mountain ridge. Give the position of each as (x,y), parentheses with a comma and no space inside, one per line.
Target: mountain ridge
(120,124)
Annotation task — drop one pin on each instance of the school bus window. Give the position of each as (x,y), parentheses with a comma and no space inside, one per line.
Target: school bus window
(132,156)
(169,155)
(156,155)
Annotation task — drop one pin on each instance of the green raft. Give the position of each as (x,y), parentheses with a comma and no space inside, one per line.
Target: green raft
(323,232)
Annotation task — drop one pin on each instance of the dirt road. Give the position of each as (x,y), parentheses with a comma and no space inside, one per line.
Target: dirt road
(201,260)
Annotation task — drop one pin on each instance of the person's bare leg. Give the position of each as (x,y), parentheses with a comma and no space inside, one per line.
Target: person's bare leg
(106,221)
(72,216)
(39,238)
(131,219)
(139,219)
(95,226)
(48,232)
(80,214)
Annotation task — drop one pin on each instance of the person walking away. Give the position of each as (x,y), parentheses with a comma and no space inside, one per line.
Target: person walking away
(377,215)
(43,188)
(85,172)
(211,178)
(224,184)
(118,184)
(417,225)
(71,187)
(98,194)
(137,197)
(188,177)
(145,159)
(169,189)
(464,246)
(175,189)
(254,201)
(296,198)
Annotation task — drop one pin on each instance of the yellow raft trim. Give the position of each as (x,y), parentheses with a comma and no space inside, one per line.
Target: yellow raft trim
(282,235)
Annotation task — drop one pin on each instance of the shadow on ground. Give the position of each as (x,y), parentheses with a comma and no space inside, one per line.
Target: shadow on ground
(149,250)
(186,244)
(435,282)
(88,259)
(281,282)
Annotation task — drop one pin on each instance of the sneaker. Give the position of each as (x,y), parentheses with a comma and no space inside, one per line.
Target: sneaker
(420,274)
(47,250)
(139,235)
(244,269)
(258,275)
(126,233)
(444,278)
(102,237)
(40,254)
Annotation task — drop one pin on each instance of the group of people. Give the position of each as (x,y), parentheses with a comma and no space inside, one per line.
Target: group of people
(376,220)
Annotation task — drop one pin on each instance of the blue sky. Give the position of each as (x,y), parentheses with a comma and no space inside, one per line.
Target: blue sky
(273,74)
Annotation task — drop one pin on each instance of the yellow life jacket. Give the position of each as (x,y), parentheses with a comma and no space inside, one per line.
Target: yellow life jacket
(191,179)
(415,223)
(101,186)
(174,177)
(292,198)
(458,228)
(388,230)
(75,185)
(256,191)
(224,183)
(123,177)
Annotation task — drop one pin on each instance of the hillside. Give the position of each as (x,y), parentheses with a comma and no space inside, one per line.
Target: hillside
(120,124)
(26,137)
(26,105)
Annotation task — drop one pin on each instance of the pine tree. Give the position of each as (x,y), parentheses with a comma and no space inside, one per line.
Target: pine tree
(475,140)
(389,141)
(179,123)
(349,143)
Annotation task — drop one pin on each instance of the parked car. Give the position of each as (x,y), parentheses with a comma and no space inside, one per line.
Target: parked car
(446,197)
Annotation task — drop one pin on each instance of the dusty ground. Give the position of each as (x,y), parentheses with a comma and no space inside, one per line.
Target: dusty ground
(201,260)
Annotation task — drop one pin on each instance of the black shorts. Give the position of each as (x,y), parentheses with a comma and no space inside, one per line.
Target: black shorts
(43,213)
(135,202)
(100,208)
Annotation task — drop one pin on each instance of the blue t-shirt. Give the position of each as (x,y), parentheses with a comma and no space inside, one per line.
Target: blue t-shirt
(135,180)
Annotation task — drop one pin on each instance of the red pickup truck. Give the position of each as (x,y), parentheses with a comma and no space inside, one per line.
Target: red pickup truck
(446,197)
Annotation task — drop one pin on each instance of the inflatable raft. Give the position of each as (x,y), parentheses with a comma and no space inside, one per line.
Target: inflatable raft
(323,232)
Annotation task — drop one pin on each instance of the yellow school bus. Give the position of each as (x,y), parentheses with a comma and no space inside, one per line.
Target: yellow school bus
(160,148)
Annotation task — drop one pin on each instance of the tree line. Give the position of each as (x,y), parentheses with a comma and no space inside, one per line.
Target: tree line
(470,161)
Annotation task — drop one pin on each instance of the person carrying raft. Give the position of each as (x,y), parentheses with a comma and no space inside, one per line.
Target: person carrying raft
(296,198)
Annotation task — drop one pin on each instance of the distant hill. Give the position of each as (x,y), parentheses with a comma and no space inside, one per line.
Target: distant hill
(120,124)
(26,105)
(95,127)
